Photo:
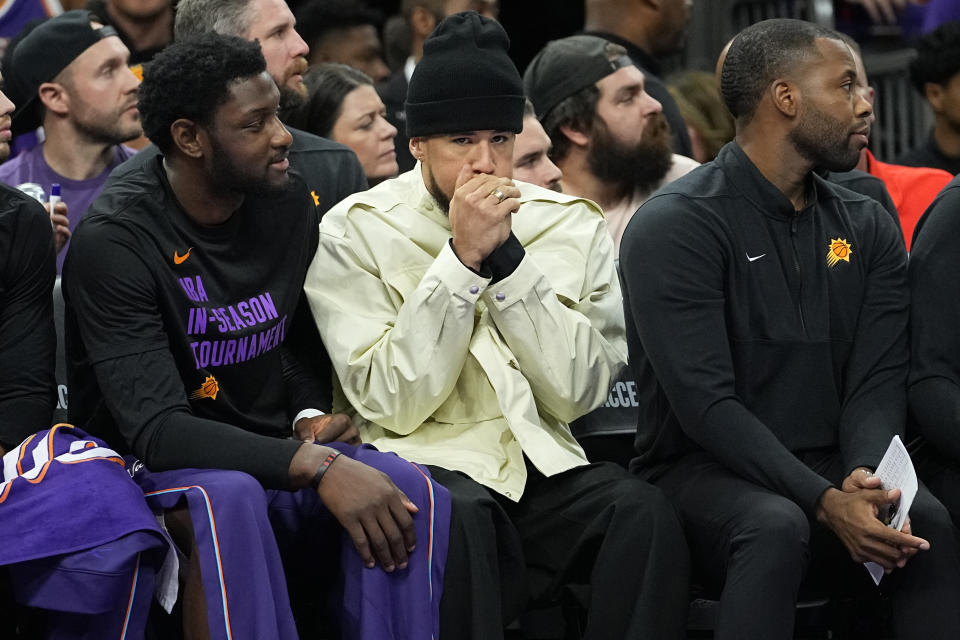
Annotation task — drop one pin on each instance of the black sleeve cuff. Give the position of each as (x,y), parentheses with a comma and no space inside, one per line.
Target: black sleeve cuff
(484,269)
(505,259)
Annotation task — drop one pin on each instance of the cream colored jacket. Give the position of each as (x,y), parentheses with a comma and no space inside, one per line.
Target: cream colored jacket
(445,368)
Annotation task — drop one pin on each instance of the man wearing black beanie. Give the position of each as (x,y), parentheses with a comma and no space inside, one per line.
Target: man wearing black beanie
(470,318)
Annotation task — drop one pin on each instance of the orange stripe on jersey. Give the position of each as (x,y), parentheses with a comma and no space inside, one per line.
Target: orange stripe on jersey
(46,466)
(119,461)
(23,450)
(216,547)
(133,591)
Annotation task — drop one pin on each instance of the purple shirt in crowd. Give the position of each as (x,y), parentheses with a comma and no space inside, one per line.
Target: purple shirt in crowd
(30,166)
(940,11)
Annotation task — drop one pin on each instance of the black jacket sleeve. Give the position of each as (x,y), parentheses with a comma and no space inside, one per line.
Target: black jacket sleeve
(307,370)
(934,383)
(27,338)
(874,377)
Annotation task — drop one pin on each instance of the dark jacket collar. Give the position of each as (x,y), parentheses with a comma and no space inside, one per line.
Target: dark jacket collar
(763,194)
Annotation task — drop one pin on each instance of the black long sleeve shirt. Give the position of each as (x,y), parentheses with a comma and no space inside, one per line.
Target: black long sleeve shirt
(28,341)
(934,384)
(176,332)
(755,335)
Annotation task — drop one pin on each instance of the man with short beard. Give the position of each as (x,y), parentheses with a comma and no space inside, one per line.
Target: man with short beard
(70,75)
(270,22)
(610,138)
(331,170)
(767,318)
(181,293)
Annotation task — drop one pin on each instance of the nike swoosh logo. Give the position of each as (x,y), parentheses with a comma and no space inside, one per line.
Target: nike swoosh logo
(180,259)
(746,254)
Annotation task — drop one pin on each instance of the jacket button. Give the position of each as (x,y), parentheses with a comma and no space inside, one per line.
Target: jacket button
(474,289)
(500,297)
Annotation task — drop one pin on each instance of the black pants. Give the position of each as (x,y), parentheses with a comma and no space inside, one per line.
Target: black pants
(594,525)
(756,546)
(941,475)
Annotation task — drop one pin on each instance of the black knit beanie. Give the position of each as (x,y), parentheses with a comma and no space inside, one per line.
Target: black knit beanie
(465,80)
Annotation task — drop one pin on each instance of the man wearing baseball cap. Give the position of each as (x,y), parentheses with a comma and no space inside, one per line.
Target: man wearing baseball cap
(610,137)
(481,317)
(70,75)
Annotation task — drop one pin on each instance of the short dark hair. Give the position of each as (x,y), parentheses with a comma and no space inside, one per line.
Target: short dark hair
(191,78)
(760,54)
(938,56)
(327,85)
(317,18)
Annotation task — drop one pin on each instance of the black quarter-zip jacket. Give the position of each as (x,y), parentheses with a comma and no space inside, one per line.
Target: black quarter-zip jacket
(758,332)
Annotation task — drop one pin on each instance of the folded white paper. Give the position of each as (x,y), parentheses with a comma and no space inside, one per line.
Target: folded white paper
(895,472)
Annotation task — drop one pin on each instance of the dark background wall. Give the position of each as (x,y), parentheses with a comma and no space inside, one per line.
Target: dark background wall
(903,117)
(530,23)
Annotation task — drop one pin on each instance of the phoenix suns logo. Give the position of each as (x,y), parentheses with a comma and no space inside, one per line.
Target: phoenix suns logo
(209,389)
(838,250)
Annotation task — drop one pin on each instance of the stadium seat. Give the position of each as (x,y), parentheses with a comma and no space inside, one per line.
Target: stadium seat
(607,432)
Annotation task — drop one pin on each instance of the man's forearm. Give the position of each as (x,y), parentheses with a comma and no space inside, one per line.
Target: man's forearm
(766,461)
(181,440)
